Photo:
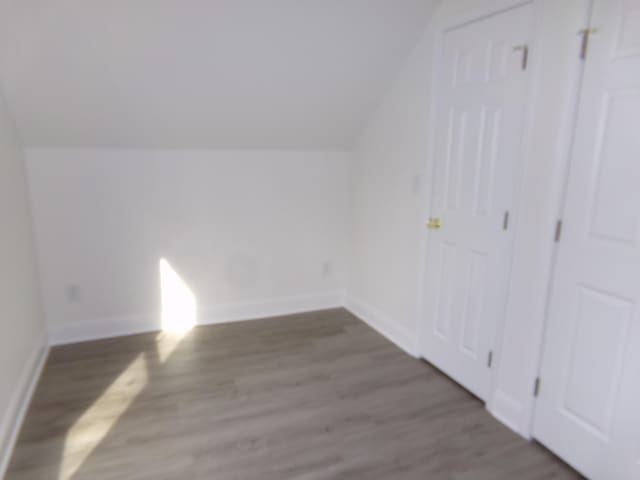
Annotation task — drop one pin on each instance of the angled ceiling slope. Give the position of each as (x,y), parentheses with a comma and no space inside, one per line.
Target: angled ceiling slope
(203,73)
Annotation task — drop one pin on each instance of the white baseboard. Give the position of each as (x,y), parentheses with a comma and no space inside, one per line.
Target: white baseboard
(11,422)
(106,327)
(272,307)
(383,324)
(100,328)
(507,410)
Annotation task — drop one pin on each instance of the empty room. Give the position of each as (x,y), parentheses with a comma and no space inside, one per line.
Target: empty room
(319,239)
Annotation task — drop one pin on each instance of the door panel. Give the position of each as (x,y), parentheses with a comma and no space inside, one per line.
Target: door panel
(446,281)
(481,93)
(474,303)
(589,404)
(490,125)
(601,326)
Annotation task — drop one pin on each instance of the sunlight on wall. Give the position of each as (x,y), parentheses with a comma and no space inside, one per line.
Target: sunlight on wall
(178,301)
(94,425)
(179,310)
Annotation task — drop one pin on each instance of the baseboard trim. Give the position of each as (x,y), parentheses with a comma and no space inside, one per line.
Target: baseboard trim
(273,307)
(506,410)
(100,328)
(383,324)
(14,416)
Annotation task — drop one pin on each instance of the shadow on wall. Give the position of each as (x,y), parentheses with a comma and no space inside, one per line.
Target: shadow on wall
(110,386)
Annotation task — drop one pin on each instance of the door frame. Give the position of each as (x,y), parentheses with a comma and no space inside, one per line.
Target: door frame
(548,133)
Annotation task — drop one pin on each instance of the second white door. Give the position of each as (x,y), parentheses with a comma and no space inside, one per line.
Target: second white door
(588,411)
(482,90)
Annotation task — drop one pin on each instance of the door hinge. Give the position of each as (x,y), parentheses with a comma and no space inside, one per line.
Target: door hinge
(505,222)
(536,387)
(558,231)
(490,359)
(586,35)
(525,54)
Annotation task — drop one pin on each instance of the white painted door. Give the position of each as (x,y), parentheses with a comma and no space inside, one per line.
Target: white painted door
(588,410)
(481,91)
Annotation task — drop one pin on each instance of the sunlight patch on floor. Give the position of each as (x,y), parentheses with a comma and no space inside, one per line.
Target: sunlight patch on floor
(94,425)
(178,317)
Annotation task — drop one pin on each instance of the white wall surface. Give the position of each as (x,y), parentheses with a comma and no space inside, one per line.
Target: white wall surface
(392,167)
(251,233)
(22,339)
(389,184)
(208,74)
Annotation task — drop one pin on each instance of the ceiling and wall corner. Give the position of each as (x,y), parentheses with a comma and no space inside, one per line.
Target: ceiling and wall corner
(206,74)
(116,100)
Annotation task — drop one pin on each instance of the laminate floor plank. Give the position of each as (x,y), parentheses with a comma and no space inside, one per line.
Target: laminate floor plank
(313,396)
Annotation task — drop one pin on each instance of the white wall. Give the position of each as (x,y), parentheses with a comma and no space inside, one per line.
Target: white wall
(251,233)
(392,165)
(22,340)
(389,183)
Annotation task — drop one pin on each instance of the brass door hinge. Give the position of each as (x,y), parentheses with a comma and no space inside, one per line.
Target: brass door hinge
(586,35)
(536,387)
(525,54)
(558,235)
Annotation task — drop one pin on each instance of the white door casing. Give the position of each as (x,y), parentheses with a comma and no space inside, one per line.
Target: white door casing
(482,91)
(588,410)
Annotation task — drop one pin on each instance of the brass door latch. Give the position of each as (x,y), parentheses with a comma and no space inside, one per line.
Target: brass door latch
(434,223)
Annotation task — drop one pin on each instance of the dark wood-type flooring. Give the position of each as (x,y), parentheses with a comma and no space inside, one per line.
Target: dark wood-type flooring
(310,396)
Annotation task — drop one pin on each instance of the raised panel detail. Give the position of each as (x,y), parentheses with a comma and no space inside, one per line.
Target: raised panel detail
(629,43)
(600,328)
(490,127)
(497,62)
(463,66)
(474,305)
(616,217)
(447,287)
(471,66)
(457,139)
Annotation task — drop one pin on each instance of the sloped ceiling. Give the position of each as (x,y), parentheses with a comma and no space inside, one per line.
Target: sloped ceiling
(203,73)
